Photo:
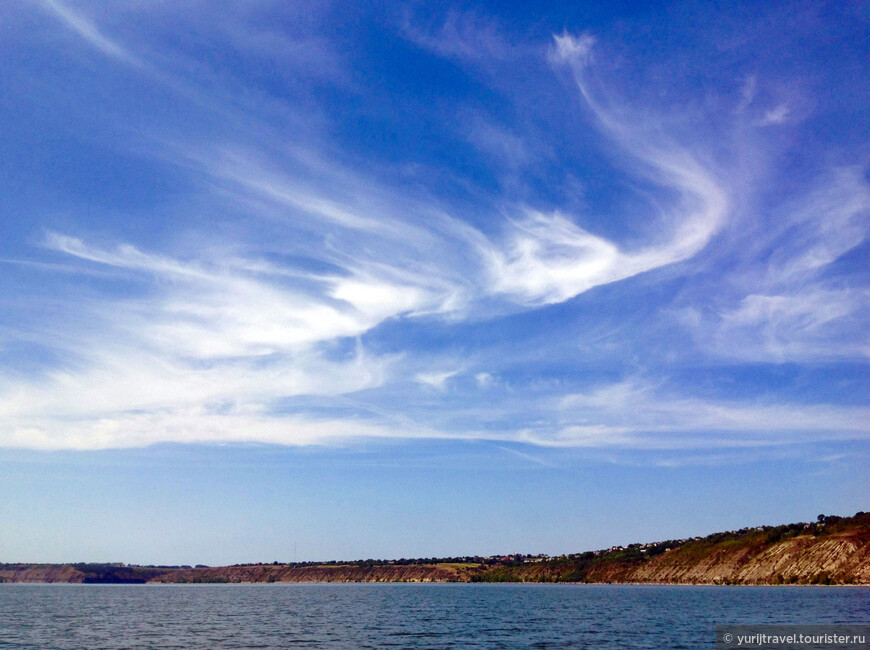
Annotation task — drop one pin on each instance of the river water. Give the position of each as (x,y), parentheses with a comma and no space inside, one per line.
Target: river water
(405,615)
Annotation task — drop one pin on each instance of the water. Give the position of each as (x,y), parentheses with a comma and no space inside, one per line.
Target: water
(404,616)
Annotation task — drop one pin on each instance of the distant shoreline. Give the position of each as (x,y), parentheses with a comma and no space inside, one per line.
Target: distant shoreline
(676,585)
(832,551)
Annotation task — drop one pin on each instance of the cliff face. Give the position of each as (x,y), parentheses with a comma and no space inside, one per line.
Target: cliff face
(833,551)
(797,554)
(77,573)
(332,573)
(838,559)
(41,573)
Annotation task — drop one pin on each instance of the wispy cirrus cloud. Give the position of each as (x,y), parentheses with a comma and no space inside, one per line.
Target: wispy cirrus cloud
(548,258)
(818,228)
(314,273)
(776,115)
(464,36)
(437,380)
(90,32)
(210,309)
(640,415)
(788,300)
(202,356)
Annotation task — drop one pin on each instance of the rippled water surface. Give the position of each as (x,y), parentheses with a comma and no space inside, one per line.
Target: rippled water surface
(403,616)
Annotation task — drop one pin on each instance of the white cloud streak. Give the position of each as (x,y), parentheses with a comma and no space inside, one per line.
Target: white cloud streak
(464,36)
(221,311)
(642,416)
(774,116)
(788,309)
(436,380)
(217,340)
(89,32)
(548,258)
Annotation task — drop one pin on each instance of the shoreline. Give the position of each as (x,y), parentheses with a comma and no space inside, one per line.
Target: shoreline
(835,551)
(431,583)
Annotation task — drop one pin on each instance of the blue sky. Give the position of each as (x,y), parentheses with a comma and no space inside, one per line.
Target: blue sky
(330,281)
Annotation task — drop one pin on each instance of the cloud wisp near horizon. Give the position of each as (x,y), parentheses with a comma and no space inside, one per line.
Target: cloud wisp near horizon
(271,230)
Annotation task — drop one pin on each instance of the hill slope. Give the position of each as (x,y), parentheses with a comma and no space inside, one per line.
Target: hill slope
(834,550)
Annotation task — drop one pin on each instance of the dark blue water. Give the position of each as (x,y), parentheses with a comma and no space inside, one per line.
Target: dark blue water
(404,616)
